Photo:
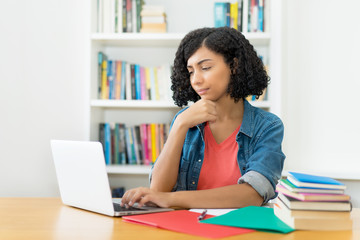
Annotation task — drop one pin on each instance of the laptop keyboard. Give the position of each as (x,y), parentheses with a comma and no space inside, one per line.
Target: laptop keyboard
(119,208)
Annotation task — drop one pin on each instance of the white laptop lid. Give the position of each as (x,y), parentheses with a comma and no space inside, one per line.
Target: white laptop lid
(82,177)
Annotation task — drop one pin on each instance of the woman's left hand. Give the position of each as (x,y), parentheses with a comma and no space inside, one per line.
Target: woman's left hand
(146,196)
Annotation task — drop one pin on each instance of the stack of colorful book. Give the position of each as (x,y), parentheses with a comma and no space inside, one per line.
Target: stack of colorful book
(310,202)
(153,19)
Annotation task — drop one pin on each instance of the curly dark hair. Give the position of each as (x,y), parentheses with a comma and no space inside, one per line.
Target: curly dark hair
(248,74)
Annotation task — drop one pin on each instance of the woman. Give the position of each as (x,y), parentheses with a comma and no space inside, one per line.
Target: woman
(221,152)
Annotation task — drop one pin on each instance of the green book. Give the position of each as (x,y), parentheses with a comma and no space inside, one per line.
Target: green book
(252,217)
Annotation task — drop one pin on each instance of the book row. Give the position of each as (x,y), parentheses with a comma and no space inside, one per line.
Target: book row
(243,15)
(135,145)
(122,80)
(117,16)
(310,202)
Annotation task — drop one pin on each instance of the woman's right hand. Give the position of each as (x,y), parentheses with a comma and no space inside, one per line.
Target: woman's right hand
(201,111)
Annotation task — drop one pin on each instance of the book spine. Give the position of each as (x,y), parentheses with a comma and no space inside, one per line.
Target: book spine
(128,81)
(152,84)
(118,80)
(128,145)
(138,18)
(100,16)
(143,83)
(135,146)
(100,60)
(137,82)
(116,144)
(144,144)
(156,80)
(123,81)
(219,14)
(104,87)
(129,16)
(124,15)
(107,134)
(227,4)
(148,83)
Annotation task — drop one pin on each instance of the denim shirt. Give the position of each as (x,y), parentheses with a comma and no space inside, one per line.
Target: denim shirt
(260,157)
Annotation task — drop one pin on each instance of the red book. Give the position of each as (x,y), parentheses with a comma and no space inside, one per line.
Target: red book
(184,221)
(315,197)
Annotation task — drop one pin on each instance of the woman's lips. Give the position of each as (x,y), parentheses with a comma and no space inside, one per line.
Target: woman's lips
(202,91)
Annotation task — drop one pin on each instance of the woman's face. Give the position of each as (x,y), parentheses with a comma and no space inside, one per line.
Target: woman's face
(209,74)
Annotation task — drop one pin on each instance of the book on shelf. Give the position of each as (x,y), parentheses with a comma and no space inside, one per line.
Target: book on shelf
(314,181)
(243,15)
(153,19)
(291,187)
(117,16)
(122,80)
(312,196)
(312,220)
(134,145)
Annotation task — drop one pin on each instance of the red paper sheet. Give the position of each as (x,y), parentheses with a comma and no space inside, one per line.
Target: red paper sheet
(185,222)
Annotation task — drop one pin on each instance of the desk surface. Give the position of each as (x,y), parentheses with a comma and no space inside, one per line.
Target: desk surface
(48,218)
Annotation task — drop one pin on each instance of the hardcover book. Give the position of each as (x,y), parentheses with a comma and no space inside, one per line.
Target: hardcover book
(313,196)
(291,187)
(308,180)
(312,221)
(295,204)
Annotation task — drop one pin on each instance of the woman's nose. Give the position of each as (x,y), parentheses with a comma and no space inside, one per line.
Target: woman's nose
(196,78)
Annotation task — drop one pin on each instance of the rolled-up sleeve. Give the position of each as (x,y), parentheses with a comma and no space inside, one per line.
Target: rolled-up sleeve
(259,183)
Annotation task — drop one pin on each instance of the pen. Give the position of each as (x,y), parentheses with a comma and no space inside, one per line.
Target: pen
(202,215)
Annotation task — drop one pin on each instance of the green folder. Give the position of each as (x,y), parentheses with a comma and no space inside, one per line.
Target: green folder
(258,218)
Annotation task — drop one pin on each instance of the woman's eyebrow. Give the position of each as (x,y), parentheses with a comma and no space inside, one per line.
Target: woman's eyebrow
(200,62)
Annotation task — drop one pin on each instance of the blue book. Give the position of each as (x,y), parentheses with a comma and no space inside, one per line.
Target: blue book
(107,150)
(261,16)
(220,10)
(137,82)
(314,181)
(123,80)
(227,4)
(110,78)
(128,145)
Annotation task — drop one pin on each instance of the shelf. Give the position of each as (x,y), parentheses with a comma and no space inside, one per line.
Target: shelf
(160,39)
(132,104)
(139,39)
(260,104)
(128,169)
(153,104)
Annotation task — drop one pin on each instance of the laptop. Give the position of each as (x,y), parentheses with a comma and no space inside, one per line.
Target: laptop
(83,180)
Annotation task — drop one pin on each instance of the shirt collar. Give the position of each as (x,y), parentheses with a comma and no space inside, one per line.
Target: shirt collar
(248,120)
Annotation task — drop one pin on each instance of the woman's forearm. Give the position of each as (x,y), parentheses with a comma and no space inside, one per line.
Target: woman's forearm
(233,196)
(165,172)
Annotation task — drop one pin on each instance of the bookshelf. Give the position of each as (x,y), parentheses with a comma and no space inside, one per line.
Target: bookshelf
(151,49)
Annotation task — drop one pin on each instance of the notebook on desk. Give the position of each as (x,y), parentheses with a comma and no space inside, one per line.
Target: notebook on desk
(83,180)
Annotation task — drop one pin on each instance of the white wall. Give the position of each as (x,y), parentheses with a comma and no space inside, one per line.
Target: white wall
(321,82)
(43,55)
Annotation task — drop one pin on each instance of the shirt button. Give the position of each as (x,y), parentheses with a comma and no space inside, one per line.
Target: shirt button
(193,183)
(199,160)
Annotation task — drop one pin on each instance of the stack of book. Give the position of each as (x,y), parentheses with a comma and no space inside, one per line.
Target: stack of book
(153,19)
(310,202)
